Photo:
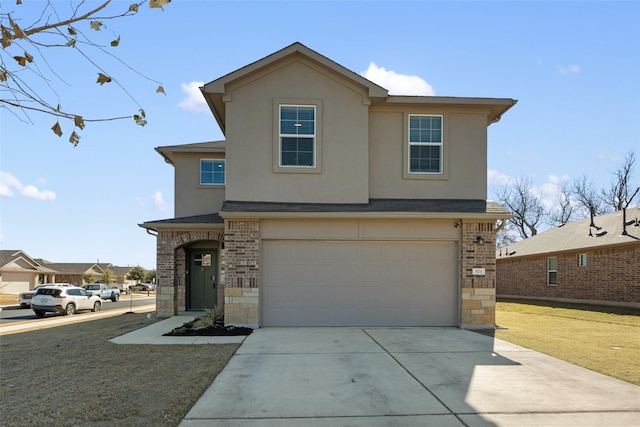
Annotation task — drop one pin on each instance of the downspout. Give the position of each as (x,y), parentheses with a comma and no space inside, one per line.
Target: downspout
(149,231)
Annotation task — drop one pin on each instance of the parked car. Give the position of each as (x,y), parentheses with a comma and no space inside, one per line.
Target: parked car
(64,300)
(140,287)
(25,297)
(103,291)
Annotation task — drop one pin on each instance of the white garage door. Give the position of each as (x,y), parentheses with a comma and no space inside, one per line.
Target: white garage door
(349,283)
(16,282)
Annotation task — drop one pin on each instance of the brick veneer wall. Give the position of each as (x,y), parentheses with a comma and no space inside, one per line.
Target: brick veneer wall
(478,294)
(171,267)
(611,275)
(242,272)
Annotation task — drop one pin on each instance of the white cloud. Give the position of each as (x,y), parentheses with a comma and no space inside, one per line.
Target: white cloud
(158,201)
(558,180)
(194,100)
(571,69)
(9,183)
(32,192)
(496,179)
(398,84)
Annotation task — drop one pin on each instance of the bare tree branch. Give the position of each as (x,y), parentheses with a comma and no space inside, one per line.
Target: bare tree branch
(526,208)
(25,82)
(621,193)
(564,209)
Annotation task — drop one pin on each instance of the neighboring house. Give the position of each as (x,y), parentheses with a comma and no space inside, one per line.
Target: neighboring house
(19,272)
(120,273)
(580,261)
(74,272)
(331,203)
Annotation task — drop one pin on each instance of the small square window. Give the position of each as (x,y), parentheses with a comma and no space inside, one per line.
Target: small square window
(582,260)
(212,172)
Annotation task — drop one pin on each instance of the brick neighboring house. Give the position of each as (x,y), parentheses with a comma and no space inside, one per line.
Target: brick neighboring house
(331,203)
(576,262)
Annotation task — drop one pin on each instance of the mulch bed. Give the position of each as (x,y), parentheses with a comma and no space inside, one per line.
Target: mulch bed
(209,332)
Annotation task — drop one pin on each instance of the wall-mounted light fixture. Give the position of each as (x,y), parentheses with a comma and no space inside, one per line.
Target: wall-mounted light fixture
(480,240)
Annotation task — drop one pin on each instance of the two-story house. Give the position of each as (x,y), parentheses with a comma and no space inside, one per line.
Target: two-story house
(332,203)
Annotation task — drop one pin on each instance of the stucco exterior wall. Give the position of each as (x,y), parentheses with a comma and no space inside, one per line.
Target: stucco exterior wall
(191,198)
(611,275)
(465,155)
(252,129)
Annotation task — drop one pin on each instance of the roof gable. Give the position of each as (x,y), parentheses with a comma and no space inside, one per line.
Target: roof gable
(215,91)
(218,85)
(579,235)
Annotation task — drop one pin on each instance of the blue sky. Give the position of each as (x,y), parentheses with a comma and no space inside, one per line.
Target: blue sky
(574,68)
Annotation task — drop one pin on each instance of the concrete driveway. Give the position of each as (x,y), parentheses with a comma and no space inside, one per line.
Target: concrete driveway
(405,377)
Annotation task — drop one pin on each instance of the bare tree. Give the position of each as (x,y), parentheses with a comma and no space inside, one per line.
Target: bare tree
(504,234)
(525,206)
(564,210)
(587,197)
(621,193)
(26,72)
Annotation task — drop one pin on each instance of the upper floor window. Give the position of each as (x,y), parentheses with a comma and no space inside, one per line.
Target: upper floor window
(212,172)
(298,135)
(425,144)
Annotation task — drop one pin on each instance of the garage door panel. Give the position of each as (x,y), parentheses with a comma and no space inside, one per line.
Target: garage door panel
(356,283)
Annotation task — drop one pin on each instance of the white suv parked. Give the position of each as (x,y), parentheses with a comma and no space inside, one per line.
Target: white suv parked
(64,300)
(25,297)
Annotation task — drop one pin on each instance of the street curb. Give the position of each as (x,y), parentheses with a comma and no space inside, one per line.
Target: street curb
(76,318)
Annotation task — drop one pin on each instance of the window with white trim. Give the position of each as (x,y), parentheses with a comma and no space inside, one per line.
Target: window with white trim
(297,135)
(552,270)
(582,260)
(212,172)
(425,144)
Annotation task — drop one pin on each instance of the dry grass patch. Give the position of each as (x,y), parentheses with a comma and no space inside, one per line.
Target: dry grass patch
(8,299)
(72,375)
(603,339)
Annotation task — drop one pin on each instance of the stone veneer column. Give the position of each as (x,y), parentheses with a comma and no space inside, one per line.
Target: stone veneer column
(242,272)
(478,296)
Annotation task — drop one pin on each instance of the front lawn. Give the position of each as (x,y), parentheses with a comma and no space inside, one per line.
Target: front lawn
(603,339)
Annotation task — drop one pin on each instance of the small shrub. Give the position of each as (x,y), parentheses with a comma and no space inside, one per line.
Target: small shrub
(213,318)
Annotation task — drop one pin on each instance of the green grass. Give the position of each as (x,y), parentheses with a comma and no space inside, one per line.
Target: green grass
(603,339)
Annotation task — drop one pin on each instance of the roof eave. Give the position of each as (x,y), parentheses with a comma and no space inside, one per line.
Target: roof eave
(163,226)
(385,215)
(496,106)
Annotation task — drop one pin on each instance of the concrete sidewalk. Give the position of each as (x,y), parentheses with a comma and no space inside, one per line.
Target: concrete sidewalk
(405,377)
(154,334)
